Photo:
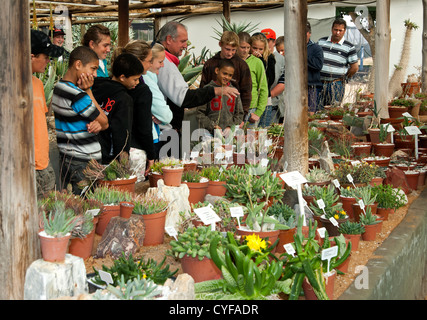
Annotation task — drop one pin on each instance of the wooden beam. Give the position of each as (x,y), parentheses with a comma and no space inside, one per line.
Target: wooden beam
(19,244)
(295,150)
(382,47)
(123,22)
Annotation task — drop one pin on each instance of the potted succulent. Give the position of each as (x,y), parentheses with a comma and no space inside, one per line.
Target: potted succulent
(339,215)
(381,161)
(116,174)
(192,248)
(361,173)
(317,176)
(366,195)
(347,198)
(369,221)
(352,231)
(330,200)
(361,149)
(156,170)
(336,113)
(110,199)
(197,186)
(397,107)
(384,147)
(285,215)
(379,176)
(153,210)
(82,236)
(217,177)
(412,178)
(309,192)
(55,235)
(389,199)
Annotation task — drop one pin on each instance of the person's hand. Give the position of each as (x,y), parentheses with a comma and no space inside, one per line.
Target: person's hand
(241,125)
(148,166)
(94,127)
(155,120)
(257,54)
(85,81)
(226,91)
(253,118)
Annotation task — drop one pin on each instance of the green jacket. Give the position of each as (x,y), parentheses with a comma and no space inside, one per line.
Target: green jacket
(259,85)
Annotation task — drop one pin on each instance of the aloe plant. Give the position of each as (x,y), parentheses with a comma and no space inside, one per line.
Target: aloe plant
(148,203)
(244,26)
(317,175)
(135,289)
(108,196)
(368,218)
(60,221)
(329,197)
(350,227)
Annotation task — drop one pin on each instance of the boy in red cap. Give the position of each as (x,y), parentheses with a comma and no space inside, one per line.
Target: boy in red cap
(41,52)
(271,38)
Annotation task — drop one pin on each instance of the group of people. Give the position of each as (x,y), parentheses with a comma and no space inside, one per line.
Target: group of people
(101,112)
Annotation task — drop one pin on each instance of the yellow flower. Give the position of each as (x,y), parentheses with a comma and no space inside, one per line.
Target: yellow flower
(336,216)
(343,213)
(255,243)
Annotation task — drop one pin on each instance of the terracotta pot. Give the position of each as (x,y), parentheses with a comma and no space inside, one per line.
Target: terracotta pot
(278,153)
(53,249)
(421,179)
(271,235)
(383,213)
(127,185)
(374,135)
(376,181)
(335,117)
(126,209)
(216,188)
(379,224)
(172,176)
(197,191)
(396,111)
(107,212)
(347,205)
(82,247)
(410,88)
(357,211)
(405,143)
(154,228)
(332,230)
(285,237)
(370,232)
(361,149)
(321,184)
(329,286)
(308,199)
(153,178)
(379,162)
(412,179)
(343,267)
(190,166)
(405,167)
(384,149)
(319,221)
(200,270)
(396,123)
(354,239)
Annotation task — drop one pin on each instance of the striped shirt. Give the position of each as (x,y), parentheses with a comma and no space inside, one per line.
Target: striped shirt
(337,58)
(73,110)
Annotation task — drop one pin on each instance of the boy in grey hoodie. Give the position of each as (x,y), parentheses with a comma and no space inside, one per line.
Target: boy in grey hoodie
(221,112)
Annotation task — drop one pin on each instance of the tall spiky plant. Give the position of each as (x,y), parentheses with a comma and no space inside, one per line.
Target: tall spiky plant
(398,76)
(231,26)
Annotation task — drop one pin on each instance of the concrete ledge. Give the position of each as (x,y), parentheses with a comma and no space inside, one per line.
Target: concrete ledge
(399,269)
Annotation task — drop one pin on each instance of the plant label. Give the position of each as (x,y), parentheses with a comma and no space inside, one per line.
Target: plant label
(93,212)
(207,215)
(219,155)
(390,129)
(171,231)
(236,212)
(336,183)
(355,163)
(350,178)
(361,204)
(194,154)
(334,222)
(329,253)
(413,130)
(228,153)
(407,115)
(289,249)
(321,204)
(321,232)
(293,179)
(84,190)
(105,276)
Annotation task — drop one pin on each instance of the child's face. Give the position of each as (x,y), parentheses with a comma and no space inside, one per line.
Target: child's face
(102,48)
(130,82)
(158,62)
(89,68)
(224,75)
(227,51)
(39,62)
(243,50)
(258,46)
(281,49)
(147,62)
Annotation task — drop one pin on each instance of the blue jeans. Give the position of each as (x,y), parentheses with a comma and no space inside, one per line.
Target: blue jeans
(313,93)
(331,93)
(271,115)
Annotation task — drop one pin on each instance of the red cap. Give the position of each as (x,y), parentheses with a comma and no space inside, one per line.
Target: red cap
(269,34)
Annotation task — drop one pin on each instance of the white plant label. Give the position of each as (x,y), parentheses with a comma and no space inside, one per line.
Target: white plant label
(194,154)
(350,178)
(334,222)
(413,130)
(236,212)
(321,232)
(268,142)
(219,155)
(390,129)
(361,204)
(228,153)
(328,254)
(207,215)
(336,183)
(84,190)
(171,231)
(407,115)
(289,249)
(93,212)
(321,204)
(293,178)
(105,276)
(264,162)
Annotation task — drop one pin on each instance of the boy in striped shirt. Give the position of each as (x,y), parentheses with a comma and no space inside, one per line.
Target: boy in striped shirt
(340,64)
(78,117)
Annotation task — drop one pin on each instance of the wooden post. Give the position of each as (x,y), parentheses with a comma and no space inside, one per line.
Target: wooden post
(19,245)
(295,150)
(424,56)
(382,45)
(226,9)
(123,22)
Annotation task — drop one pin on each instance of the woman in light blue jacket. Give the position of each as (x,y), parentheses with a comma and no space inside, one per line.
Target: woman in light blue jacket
(161,113)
